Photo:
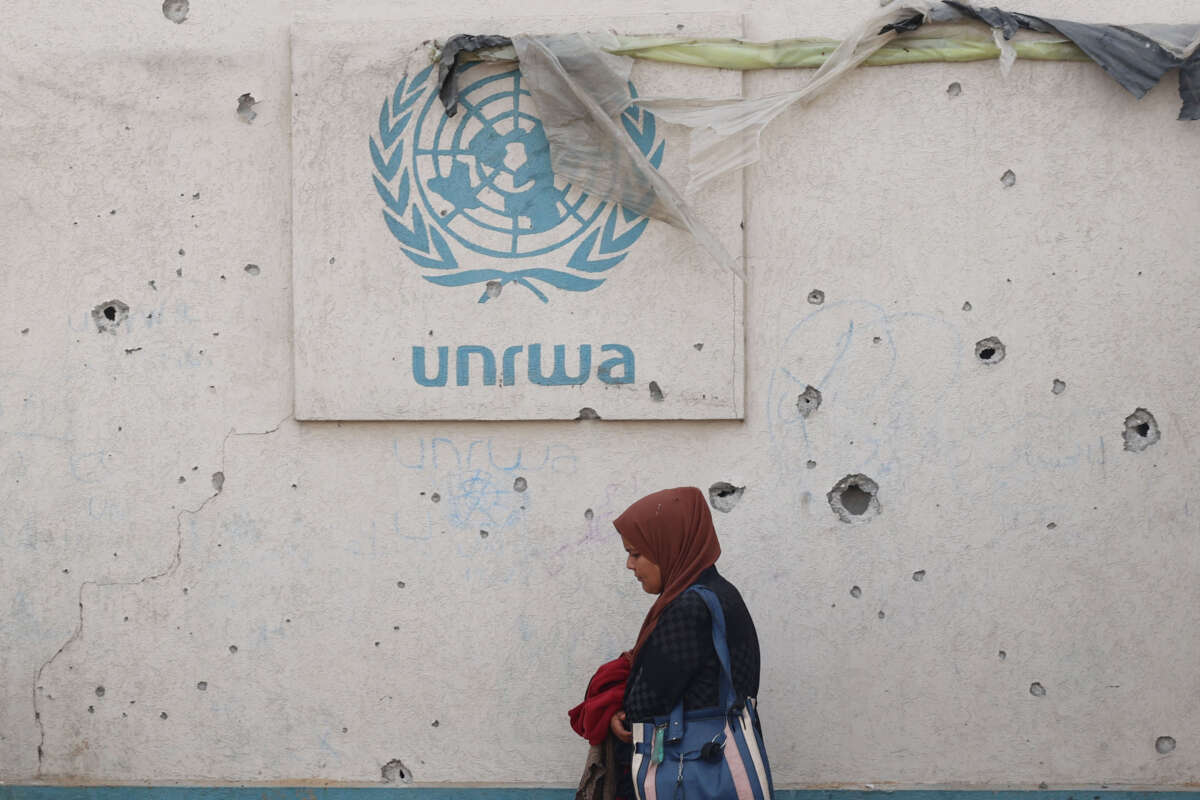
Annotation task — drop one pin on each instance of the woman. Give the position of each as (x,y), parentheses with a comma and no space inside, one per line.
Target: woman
(671,545)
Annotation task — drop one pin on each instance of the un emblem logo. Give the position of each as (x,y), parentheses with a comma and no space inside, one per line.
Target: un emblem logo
(481,183)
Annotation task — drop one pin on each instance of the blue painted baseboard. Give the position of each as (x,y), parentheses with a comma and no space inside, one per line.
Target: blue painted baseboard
(484,793)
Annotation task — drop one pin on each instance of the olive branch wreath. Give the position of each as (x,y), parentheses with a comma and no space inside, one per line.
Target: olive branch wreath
(601,250)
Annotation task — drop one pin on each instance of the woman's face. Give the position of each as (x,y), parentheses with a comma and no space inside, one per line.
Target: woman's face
(645,570)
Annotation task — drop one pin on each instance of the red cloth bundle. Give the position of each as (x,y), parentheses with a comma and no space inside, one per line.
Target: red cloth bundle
(605,693)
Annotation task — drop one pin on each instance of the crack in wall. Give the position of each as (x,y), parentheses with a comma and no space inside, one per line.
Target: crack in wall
(170,569)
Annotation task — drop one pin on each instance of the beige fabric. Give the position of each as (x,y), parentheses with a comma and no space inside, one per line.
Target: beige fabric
(599,773)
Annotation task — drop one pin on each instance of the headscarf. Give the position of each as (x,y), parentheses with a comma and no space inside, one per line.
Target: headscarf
(674,529)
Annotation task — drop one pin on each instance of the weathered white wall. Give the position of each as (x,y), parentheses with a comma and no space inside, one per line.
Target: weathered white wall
(127,174)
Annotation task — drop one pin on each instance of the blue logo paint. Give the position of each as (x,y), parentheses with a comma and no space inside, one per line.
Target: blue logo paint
(481,183)
(615,370)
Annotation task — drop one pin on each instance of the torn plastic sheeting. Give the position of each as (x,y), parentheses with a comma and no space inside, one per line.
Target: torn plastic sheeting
(574,83)
(1135,56)
(725,133)
(580,92)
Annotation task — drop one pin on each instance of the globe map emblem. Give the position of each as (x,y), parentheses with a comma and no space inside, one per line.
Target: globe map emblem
(485,174)
(481,183)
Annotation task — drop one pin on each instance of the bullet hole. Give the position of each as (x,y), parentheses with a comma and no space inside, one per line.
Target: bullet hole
(377,644)
(1043,785)
(587,413)
(182,479)
(218,481)
(435,497)
(395,770)
(91,709)
(1003,655)
(162,715)
(699,346)
(232,649)
(989,350)
(483,534)
(153,285)
(967,306)
(400,584)
(131,350)
(855,592)
(1051,526)
(108,316)
(176,11)
(345,730)
(493,288)
(810,464)
(1008,178)
(24,331)
(179,272)
(1164,744)
(808,401)
(520,485)
(245,108)
(919,575)
(854,499)
(723,496)
(99,691)
(202,686)
(195,196)
(816,297)
(1037,690)
(656,394)
(954,89)
(181,252)
(588,514)
(881,615)
(1058,387)
(252,269)
(1141,430)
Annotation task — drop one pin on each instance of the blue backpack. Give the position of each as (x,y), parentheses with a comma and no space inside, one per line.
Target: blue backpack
(712,753)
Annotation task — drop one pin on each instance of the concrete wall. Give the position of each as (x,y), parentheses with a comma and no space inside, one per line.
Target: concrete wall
(194,587)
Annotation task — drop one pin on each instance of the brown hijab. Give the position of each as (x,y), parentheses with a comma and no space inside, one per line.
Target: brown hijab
(674,529)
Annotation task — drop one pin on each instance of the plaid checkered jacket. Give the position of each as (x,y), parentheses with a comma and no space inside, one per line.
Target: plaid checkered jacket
(678,659)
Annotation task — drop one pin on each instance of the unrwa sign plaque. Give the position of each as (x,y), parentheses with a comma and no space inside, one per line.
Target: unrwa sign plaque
(443,271)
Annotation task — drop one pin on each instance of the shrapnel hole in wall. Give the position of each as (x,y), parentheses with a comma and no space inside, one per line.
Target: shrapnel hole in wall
(855,499)
(990,350)
(176,11)
(245,108)
(109,315)
(395,770)
(1141,430)
(723,496)
(808,401)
